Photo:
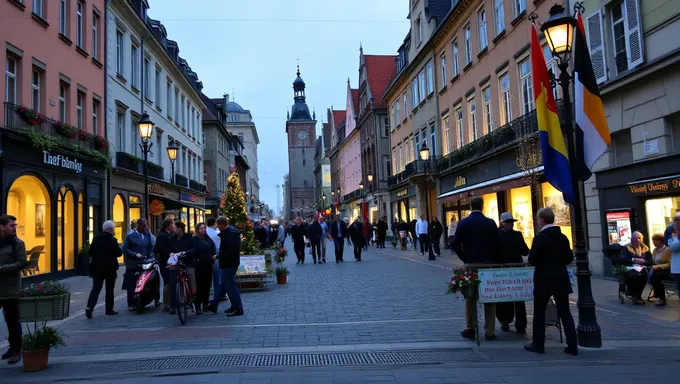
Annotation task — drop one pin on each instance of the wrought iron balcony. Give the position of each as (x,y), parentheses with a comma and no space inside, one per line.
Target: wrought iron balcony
(415,168)
(181,180)
(196,186)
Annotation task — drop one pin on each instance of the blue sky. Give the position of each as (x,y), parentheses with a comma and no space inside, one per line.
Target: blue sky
(249,49)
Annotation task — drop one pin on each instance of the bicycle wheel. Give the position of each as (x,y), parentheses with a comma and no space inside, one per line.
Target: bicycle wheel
(181,303)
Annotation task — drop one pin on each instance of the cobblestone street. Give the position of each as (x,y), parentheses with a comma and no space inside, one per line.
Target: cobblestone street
(393,302)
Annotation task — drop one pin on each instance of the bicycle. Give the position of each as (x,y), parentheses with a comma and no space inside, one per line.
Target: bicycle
(185,298)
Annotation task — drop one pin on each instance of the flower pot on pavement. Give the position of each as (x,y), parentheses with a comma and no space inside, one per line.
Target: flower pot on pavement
(282,279)
(35,360)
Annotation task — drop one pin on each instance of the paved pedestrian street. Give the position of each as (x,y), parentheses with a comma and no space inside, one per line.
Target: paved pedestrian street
(384,319)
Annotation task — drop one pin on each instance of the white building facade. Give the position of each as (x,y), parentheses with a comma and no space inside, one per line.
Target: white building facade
(240,124)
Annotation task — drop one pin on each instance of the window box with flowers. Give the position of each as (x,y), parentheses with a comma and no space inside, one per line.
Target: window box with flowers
(30,116)
(84,136)
(101,144)
(65,130)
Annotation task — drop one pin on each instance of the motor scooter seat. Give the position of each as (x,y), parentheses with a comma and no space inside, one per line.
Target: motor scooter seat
(147,261)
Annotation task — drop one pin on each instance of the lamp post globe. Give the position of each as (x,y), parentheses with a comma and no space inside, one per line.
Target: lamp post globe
(145,126)
(424,152)
(559,31)
(172,149)
(370,177)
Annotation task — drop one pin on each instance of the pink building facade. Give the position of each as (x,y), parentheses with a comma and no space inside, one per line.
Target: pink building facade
(54,155)
(350,159)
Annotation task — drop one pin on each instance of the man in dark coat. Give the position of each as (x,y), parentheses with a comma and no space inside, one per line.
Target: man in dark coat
(137,246)
(338,234)
(382,231)
(314,233)
(412,230)
(298,232)
(550,254)
(476,242)
(436,231)
(104,254)
(163,248)
(513,247)
(230,259)
(356,232)
(12,262)
(395,228)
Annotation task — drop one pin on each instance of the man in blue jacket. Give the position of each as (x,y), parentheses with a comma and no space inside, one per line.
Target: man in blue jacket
(230,258)
(476,242)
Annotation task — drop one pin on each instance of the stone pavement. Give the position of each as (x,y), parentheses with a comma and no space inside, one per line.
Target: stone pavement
(393,300)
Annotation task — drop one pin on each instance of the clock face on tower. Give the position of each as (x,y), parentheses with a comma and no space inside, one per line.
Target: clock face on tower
(302,134)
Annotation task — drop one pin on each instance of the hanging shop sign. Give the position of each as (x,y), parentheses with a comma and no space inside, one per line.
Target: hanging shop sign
(62,161)
(156,207)
(156,189)
(188,197)
(460,182)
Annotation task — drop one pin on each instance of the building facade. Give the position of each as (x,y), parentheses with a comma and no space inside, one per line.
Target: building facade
(240,124)
(635,56)
(349,160)
(301,131)
(375,74)
(53,166)
(322,177)
(285,214)
(336,127)
(145,74)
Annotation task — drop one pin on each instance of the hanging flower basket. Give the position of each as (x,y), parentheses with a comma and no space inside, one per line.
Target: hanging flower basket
(463,281)
(30,116)
(469,290)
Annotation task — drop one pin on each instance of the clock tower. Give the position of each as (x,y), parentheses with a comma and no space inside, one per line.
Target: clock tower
(301,130)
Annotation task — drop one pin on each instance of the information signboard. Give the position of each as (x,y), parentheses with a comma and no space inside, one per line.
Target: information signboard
(506,284)
(252,265)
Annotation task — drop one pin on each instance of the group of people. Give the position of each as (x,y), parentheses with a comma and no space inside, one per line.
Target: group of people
(426,233)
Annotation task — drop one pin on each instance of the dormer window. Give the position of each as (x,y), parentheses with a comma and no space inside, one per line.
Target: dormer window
(419,30)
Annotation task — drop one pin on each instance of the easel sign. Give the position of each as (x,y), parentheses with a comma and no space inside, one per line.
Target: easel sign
(500,285)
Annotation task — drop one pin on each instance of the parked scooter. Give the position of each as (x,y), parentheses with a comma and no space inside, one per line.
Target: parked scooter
(148,284)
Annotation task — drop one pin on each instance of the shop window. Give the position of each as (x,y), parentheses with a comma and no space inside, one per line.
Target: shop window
(66,237)
(192,220)
(522,211)
(660,214)
(29,201)
(90,223)
(135,208)
(119,219)
(552,198)
(81,220)
(491,206)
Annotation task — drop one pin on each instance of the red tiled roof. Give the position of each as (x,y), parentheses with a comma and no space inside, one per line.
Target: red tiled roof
(338,117)
(355,99)
(381,69)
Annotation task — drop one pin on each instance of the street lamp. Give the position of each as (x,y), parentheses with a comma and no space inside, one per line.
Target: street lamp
(145,126)
(370,177)
(425,156)
(323,197)
(173,149)
(558,30)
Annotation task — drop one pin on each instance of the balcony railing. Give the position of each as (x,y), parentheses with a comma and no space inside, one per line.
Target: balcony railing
(502,138)
(414,168)
(181,180)
(17,120)
(196,186)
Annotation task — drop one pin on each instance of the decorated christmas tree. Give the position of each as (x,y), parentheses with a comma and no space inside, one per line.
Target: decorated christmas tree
(233,207)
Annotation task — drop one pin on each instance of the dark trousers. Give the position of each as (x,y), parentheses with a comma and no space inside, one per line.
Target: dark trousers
(299,248)
(424,243)
(635,282)
(357,250)
(316,250)
(97,285)
(10,308)
(131,298)
(506,312)
(203,283)
(435,245)
(562,306)
(339,248)
(230,287)
(381,241)
(656,281)
(414,238)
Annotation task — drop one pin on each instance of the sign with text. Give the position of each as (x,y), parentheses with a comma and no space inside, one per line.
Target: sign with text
(252,265)
(502,285)
(62,161)
(655,187)
(183,196)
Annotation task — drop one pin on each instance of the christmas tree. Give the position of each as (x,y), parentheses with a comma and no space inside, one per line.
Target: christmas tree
(233,207)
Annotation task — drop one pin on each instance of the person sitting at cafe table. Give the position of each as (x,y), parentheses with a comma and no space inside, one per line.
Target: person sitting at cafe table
(637,257)
(661,269)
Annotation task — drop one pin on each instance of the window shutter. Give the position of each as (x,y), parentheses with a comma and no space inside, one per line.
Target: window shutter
(633,34)
(595,35)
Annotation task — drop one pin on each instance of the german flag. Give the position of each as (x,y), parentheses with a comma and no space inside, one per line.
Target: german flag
(592,132)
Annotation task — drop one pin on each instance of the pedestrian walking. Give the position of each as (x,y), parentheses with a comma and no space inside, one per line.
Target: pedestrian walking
(137,246)
(550,254)
(476,242)
(423,236)
(230,259)
(314,234)
(325,234)
(104,254)
(451,232)
(12,262)
(339,233)
(298,232)
(212,232)
(513,247)
(381,229)
(204,256)
(413,232)
(163,248)
(436,231)
(356,232)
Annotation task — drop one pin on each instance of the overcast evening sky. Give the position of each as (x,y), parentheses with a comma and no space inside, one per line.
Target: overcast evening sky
(249,49)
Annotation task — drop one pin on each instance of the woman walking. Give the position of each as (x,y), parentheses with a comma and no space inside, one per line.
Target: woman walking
(205,253)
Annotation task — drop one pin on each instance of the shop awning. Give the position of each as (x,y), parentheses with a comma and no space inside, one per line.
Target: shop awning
(499,184)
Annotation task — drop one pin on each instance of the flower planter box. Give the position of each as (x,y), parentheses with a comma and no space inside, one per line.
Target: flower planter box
(44,308)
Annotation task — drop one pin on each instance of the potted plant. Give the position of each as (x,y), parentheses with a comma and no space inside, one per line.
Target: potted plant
(66,130)
(84,136)
(36,345)
(30,116)
(463,281)
(46,301)
(101,144)
(281,255)
(282,274)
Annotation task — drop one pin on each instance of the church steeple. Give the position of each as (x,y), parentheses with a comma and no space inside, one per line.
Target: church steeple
(300,110)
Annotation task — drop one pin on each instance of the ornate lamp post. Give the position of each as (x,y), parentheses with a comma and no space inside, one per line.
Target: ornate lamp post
(333,202)
(323,197)
(173,149)
(559,33)
(145,126)
(425,156)
(361,191)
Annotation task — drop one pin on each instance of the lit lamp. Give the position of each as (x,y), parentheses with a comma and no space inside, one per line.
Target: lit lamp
(559,33)
(145,126)
(361,185)
(172,149)
(424,152)
(370,177)
(323,197)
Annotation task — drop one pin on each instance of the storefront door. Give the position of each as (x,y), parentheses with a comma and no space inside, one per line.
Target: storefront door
(66,231)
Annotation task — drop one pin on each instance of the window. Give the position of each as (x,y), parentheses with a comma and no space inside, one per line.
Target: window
(181,111)
(63,17)
(177,110)
(79,110)
(419,29)
(38,7)
(134,59)
(11,69)
(520,6)
(483,39)
(79,24)
(405,106)
(459,127)
(120,131)
(430,78)
(618,26)
(193,122)
(506,109)
(147,73)
(627,45)
(168,98)
(414,93)
(421,86)
(500,17)
(442,65)
(157,90)
(488,114)
(393,117)
(525,86)
(394,160)
(472,111)
(387,127)
(119,52)
(398,105)
(447,136)
(95,36)
(455,69)
(407,152)
(433,140)
(95,116)
(35,90)
(468,44)
(63,98)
